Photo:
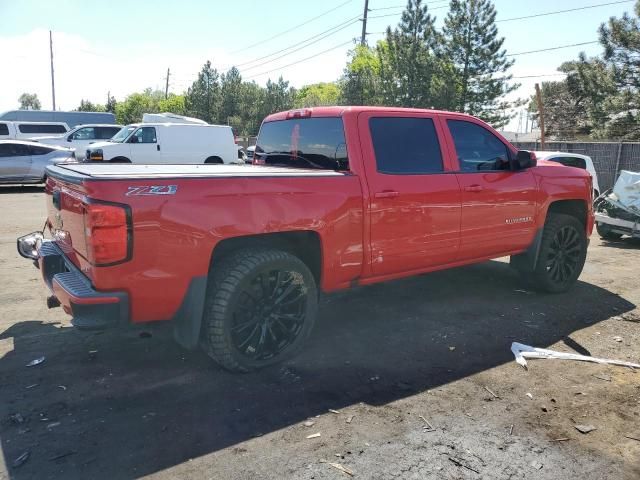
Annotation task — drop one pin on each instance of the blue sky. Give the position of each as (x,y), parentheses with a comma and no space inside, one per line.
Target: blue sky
(121,46)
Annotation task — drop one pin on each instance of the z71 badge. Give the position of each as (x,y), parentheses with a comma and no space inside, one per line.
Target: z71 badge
(152,190)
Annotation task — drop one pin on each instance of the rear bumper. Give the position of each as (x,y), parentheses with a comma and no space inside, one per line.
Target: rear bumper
(89,308)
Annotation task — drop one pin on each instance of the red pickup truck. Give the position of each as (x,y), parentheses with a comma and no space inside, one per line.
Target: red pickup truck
(235,256)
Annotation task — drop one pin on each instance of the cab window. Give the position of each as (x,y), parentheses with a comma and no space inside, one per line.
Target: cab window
(87,133)
(477,148)
(144,135)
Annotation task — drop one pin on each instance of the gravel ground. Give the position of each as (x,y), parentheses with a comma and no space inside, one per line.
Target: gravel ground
(383,363)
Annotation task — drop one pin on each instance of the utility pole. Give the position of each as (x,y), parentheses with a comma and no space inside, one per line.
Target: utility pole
(166,88)
(53,83)
(540,116)
(363,38)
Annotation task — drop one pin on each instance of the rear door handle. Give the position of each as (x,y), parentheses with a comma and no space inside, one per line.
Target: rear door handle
(473,188)
(387,194)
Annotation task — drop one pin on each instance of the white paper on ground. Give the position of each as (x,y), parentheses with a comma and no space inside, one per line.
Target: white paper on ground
(522,352)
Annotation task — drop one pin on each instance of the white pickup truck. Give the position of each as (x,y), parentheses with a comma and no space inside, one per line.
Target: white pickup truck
(168,143)
(79,138)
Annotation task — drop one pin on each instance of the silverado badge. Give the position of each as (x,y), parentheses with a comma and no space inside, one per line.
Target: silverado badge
(152,190)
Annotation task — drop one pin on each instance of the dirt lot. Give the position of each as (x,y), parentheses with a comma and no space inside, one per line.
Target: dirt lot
(132,404)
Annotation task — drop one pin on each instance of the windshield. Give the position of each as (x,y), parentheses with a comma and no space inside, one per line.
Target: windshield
(303,143)
(122,134)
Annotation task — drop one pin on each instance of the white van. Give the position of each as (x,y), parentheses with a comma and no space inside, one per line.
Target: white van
(28,130)
(79,138)
(168,143)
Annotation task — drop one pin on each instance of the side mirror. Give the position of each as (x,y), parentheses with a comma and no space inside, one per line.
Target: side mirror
(134,139)
(69,138)
(525,159)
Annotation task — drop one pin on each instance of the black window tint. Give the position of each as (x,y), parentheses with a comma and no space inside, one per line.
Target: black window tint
(41,128)
(571,162)
(405,145)
(39,150)
(86,133)
(4,129)
(303,143)
(12,150)
(477,147)
(105,133)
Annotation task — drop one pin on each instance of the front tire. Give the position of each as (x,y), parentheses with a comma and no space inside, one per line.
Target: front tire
(260,308)
(563,251)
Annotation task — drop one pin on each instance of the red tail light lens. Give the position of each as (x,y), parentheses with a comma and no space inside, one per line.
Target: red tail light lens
(107,233)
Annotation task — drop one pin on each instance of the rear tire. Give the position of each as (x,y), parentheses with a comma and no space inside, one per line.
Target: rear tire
(216,160)
(605,232)
(260,308)
(119,160)
(563,250)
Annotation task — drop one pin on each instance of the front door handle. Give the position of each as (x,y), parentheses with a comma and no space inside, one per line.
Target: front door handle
(473,188)
(158,147)
(387,194)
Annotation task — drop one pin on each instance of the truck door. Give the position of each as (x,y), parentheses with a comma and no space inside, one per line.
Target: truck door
(414,200)
(144,146)
(498,204)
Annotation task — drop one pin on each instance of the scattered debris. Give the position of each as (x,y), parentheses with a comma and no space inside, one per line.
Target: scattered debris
(337,412)
(375,378)
(61,455)
(519,290)
(350,418)
(17,418)
(21,460)
(62,387)
(631,437)
(36,361)
(511,430)
(343,469)
(617,339)
(428,427)
(314,435)
(521,352)
(491,392)
(451,349)
(544,408)
(602,376)
(529,395)
(309,423)
(585,428)
(53,425)
(28,387)
(536,465)
(460,464)
(561,439)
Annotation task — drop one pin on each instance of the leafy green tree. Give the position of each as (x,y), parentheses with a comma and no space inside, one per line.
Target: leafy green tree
(316,95)
(481,65)
(29,101)
(203,97)
(87,106)
(360,83)
(137,104)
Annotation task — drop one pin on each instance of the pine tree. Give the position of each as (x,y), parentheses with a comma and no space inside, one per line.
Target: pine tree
(203,97)
(408,61)
(473,45)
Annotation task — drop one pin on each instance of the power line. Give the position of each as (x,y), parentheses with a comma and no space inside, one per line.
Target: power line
(333,30)
(301,60)
(398,13)
(552,48)
(563,11)
(540,76)
(405,6)
(292,28)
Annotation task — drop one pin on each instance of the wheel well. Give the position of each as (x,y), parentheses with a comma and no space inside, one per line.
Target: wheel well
(303,244)
(119,160)
(213,160)
(575,208)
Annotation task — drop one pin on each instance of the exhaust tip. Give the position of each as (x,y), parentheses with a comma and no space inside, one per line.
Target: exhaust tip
(52,302)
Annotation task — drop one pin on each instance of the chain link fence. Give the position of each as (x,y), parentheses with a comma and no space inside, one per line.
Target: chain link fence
(608,157)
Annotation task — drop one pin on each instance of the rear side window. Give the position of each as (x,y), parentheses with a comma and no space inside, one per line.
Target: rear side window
(405,145)
(105,133)
(571,162)
(4,129)
(41,128)
(39,150)
(12,150)
(478,149)
(303,143)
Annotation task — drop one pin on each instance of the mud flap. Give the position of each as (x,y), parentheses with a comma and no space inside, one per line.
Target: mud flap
(527,260)
(188,319)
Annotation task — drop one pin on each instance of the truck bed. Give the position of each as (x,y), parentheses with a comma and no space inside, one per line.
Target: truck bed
(76,172)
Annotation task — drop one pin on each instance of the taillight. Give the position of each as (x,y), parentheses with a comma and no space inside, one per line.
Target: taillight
(107,230)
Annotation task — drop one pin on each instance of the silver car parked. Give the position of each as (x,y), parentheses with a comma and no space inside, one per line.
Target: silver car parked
(24,162)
